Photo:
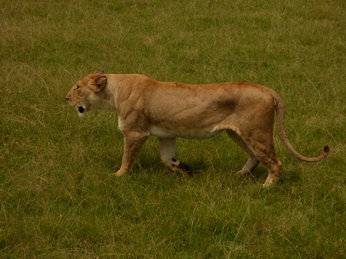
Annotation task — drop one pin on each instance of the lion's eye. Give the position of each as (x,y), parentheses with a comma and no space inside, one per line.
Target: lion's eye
(77,87)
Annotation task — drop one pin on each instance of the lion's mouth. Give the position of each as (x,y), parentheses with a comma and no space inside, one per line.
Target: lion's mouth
(81,109)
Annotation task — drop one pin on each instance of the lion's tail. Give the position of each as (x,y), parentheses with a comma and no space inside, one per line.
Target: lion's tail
(282,133)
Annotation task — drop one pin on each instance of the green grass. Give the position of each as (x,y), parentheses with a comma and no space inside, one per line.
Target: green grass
(58,198)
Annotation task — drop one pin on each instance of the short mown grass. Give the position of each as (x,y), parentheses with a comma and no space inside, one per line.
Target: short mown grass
(58,198)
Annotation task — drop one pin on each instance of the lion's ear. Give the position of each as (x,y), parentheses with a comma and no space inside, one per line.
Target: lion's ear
(99,84)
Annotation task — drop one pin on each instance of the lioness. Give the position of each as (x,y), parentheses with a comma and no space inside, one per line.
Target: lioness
(167,110)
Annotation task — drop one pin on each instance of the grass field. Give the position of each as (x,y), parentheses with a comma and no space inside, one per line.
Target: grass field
(58,198)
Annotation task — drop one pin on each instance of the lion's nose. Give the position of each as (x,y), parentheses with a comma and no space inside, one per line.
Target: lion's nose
(67,99)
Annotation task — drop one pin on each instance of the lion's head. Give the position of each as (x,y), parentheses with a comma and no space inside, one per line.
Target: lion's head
(85,93)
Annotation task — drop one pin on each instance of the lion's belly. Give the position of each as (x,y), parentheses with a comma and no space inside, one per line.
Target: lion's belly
(171,133)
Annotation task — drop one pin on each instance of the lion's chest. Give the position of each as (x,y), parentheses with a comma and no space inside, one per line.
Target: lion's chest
(191,133)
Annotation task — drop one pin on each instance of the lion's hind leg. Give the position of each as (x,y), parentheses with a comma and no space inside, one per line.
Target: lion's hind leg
(260,149)
(274,172)
(265,153)
(252,161)
(167,153)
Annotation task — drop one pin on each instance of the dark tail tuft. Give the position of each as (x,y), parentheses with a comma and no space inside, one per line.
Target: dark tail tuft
(326,149)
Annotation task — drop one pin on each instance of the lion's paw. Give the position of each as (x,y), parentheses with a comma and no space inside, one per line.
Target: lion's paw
(119,173)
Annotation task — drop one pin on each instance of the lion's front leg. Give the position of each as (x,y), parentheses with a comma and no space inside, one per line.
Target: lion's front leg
(133,142)
(167,153)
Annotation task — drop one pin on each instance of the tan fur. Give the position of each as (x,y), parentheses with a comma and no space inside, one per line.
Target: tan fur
(168,110)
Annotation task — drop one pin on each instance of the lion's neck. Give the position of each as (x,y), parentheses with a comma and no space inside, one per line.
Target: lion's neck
(108,102)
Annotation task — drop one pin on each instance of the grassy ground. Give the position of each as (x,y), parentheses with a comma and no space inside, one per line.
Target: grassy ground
(58,198)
